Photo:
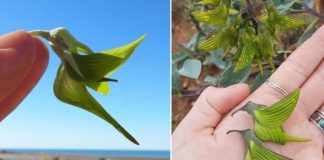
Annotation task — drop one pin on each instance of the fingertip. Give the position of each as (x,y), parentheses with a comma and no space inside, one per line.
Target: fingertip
(241,88)
(15,38)
(42,54)
(225,99)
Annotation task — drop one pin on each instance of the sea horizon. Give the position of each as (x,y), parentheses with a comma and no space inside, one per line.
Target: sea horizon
(98,152)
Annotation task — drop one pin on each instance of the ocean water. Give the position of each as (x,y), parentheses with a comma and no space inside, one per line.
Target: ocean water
(100,153)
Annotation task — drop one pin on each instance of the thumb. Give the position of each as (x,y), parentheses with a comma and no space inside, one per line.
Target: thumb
(210,107)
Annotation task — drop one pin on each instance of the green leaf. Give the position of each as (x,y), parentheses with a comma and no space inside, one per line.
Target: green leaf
(307,34)
(214,17)
(225,37)
(191,68)
(260,79)
(75,93)
(229,77)
(176,83)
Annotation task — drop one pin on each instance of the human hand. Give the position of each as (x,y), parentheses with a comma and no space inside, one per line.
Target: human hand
(23,60)
(202,133)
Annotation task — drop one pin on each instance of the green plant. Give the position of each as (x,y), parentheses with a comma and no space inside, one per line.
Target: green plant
(268,121)
(242,38)
(81,68)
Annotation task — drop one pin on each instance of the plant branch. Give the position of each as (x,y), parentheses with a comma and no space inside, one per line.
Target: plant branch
(311,11)
(252,17)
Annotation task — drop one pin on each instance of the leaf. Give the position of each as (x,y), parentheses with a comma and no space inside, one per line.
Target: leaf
(178,57)
(224,37)
(176,83)
(213,17)
(229,77)
(307,34)
(75,93)
(217,59)
(191,68)
(260,79)
(211,80)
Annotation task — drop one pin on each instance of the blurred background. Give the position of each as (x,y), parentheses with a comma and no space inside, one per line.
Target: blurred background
(139,101)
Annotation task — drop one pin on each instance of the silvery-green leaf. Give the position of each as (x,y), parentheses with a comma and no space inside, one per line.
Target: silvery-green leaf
(191,68)
(75,93)
(229,77)
(217,58)
(176,84)
(178,57)
(307,34)
(211,80)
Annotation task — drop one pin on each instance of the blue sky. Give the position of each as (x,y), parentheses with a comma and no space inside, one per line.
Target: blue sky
(139,101)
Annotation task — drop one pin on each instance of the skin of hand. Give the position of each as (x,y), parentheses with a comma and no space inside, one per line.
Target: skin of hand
(23,60)
(202,133)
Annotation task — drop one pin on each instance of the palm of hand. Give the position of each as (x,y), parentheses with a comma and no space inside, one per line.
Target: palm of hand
(202,134)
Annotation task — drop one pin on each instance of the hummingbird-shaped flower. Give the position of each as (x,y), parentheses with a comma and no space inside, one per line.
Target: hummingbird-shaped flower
(81,68)
(255,149)
(268,120)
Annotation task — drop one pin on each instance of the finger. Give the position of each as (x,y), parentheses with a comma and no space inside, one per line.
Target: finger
(211,106)
(17,53)
(311,97)
(37,70)
(299,65)
(14,39)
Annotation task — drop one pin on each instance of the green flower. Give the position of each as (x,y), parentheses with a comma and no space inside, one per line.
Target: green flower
(81,68)
(255,149)
(268,120)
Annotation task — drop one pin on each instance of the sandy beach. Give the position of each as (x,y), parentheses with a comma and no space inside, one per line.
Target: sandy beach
(44,156)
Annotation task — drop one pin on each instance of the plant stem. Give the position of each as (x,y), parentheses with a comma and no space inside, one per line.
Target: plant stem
(251,14)
(311,11)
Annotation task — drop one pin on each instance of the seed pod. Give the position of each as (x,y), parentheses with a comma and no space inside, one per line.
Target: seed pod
(255,149)
(269,119)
